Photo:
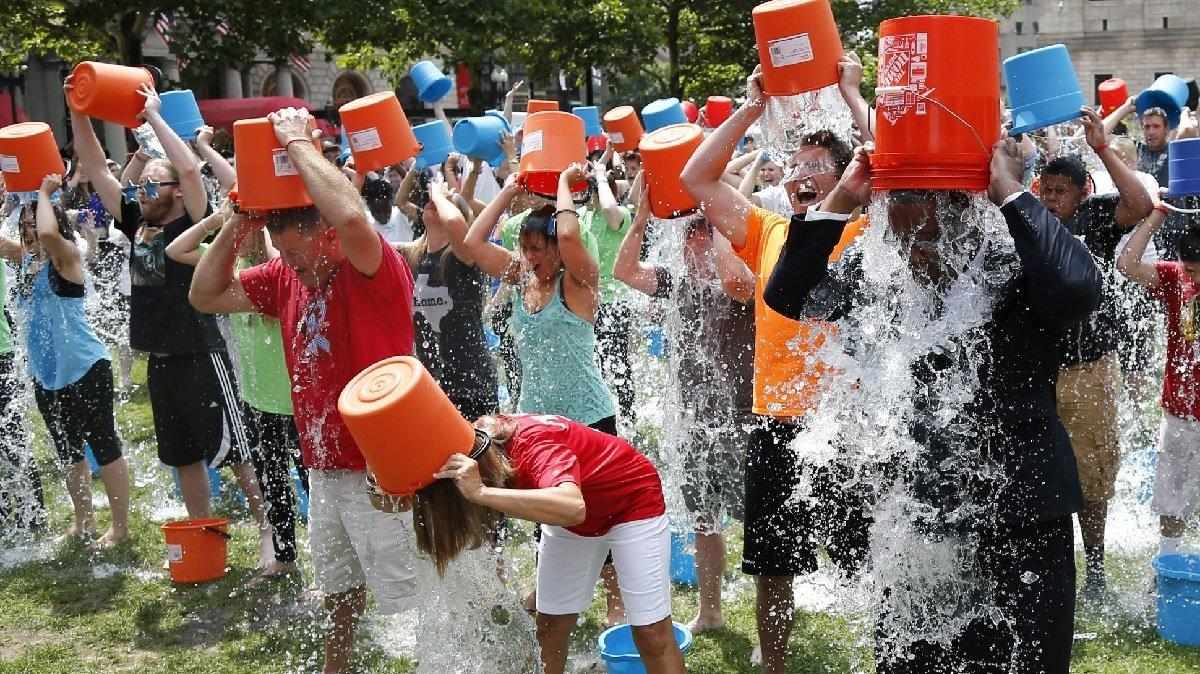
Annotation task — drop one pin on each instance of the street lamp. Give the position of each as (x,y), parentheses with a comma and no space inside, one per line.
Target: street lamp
(499,82)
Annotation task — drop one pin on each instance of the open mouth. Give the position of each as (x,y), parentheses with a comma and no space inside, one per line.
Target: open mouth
(805,196)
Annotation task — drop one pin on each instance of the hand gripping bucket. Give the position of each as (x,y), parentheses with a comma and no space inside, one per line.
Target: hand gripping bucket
(480,137)
(798,45)
(664,154)
(591,119)
(28,153)
(717,110)
(624,128)
(196,549)
(436,145)
(1169,92)
(1112,94)
(1042,88)
(378,132)
(937,111)
(1179,598)
(552,141)
(403,423)
(537,105)
(266,178)
(663,112)
(1183,158)
(181,113)
(431,84)
(620,653)
(109,92)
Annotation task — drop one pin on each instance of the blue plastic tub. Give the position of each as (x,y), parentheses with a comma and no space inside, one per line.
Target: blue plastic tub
(1169,92)
(480,136)
(1179,598)
(1042,88)
(180,112)
(434,138)
(655,342)
(621,656)
(1183,158)
(432,85)
(663,112)
(683,563)
(590,115)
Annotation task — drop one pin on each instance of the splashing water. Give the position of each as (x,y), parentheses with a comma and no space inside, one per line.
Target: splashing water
(788,119)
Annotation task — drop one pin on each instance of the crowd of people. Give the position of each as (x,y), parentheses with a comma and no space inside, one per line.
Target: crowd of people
(252,324)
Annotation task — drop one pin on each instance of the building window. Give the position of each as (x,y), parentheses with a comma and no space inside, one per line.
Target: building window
(1100,79)
(1019,26)
(1035,27)
(1104,24)
(1166,24)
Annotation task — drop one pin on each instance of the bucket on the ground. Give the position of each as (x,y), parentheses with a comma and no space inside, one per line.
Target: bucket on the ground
(937,113)
(181,113)
(436,145)
(552,141)
(1183,162)
(683,563)
(1042,88)
(266,178)
(620,654)
(480,137)
(28,153)
(624,127)
(798,45)
(404,424)
(432,85)
(109,92)
(664,154)
(377,132)
(536,105)
(196,549)
(590,115)
(1112,93)
(663,112)
(1179,598)
(717,110)
(1169,92)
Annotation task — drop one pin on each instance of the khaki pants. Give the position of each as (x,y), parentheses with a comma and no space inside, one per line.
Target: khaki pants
(1087,404)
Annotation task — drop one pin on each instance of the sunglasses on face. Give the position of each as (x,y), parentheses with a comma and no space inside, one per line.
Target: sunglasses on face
(147,187)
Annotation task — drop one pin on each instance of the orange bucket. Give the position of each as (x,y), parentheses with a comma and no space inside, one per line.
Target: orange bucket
(403,423)
(28,154)
(540,105)
(664,154)
(937,108)
(1113,93)
(378,132)
(266,178)
(798,45)
(109,92)
(196,549)
(623,127)
(551,142)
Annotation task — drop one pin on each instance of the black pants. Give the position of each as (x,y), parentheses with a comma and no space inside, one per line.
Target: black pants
(274,448)
(1037,639)
(613,325)
(82,412)
(22,502)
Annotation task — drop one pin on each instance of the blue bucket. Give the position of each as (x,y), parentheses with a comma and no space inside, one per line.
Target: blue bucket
(90,457)
(683,563)
(663,112)
(301,497)
(1042,88)
(431,84)
(590,115)
(1169,92)
(215,485)
(1183,157)
(436,145)
(480,136)
(656,344)
(621,656)
(181,113)
(1179,598)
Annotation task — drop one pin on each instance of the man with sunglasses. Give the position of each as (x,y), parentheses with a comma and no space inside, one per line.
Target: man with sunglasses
(197,417)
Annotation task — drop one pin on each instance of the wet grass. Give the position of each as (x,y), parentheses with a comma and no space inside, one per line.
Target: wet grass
(72,611)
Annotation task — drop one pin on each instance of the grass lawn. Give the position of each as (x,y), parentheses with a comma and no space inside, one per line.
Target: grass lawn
(70,611)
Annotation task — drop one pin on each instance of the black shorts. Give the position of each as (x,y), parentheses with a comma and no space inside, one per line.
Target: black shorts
(605,425)
(779,527)
(82,412)
(197,413)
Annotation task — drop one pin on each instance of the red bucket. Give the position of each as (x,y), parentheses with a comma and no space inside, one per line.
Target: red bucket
(1113,93)
(937,111)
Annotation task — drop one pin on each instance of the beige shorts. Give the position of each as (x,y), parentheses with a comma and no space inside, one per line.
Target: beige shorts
(1177,474)
(1087,405)
(355,545)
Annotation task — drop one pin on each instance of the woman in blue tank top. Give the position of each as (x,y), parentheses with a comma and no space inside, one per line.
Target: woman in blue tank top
(72,374)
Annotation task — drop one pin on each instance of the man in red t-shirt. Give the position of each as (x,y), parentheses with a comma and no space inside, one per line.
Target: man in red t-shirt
(344,301)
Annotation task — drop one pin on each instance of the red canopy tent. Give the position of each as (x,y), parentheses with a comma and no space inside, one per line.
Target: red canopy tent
(221,113)
(6,110)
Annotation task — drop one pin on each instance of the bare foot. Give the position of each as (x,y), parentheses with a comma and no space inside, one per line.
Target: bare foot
(266,551)
(76,532)
(531,603)
(701,624)
(111,539)
(276,569)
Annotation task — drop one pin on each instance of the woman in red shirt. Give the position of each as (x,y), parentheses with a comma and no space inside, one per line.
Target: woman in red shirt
(592,492)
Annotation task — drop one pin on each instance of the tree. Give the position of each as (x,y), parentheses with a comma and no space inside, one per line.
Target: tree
(41,28)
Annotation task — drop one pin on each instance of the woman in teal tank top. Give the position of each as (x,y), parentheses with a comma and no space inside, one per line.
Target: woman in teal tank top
(557,293)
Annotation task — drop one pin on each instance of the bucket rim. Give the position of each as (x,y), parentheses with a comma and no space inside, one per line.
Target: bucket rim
(1177,574)
(1048,121)
(684,645)
(200,523)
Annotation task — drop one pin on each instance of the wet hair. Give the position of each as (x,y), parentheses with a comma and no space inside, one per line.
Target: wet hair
(445,523)
(171,170)
(540,221)
(1069,167)
(1189,245)
(1155,112)
(838,148)
(378,194)
(306,219)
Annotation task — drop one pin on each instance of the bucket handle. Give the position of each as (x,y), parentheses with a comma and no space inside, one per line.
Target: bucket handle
(955,115)
(1185,211)
(220,532)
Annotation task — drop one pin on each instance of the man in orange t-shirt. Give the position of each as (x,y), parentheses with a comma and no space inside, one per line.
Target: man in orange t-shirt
(779,529)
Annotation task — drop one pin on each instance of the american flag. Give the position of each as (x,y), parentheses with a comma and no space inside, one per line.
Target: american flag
(162,26)
(299,62)
(223,28)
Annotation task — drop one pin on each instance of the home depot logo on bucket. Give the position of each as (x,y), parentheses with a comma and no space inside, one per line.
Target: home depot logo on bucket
(903,72)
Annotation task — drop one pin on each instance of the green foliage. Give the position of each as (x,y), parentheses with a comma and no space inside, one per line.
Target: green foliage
(43,28)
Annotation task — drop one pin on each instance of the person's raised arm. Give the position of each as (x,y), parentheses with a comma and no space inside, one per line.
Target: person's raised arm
(222,170)
(405,191)
(724,206)
(1134,203)
(132,172)
(64,254)
(750,180)
(452,219)
(508,101)
(472,179)
(185,249)
(850,76)
(561,505)
(1114,118)
(334,196)
(492,259)
(579,263)
(195,197)
(614,215)
(628,268)
(94,162)
(1130,262)
(737,280)
(216,288)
